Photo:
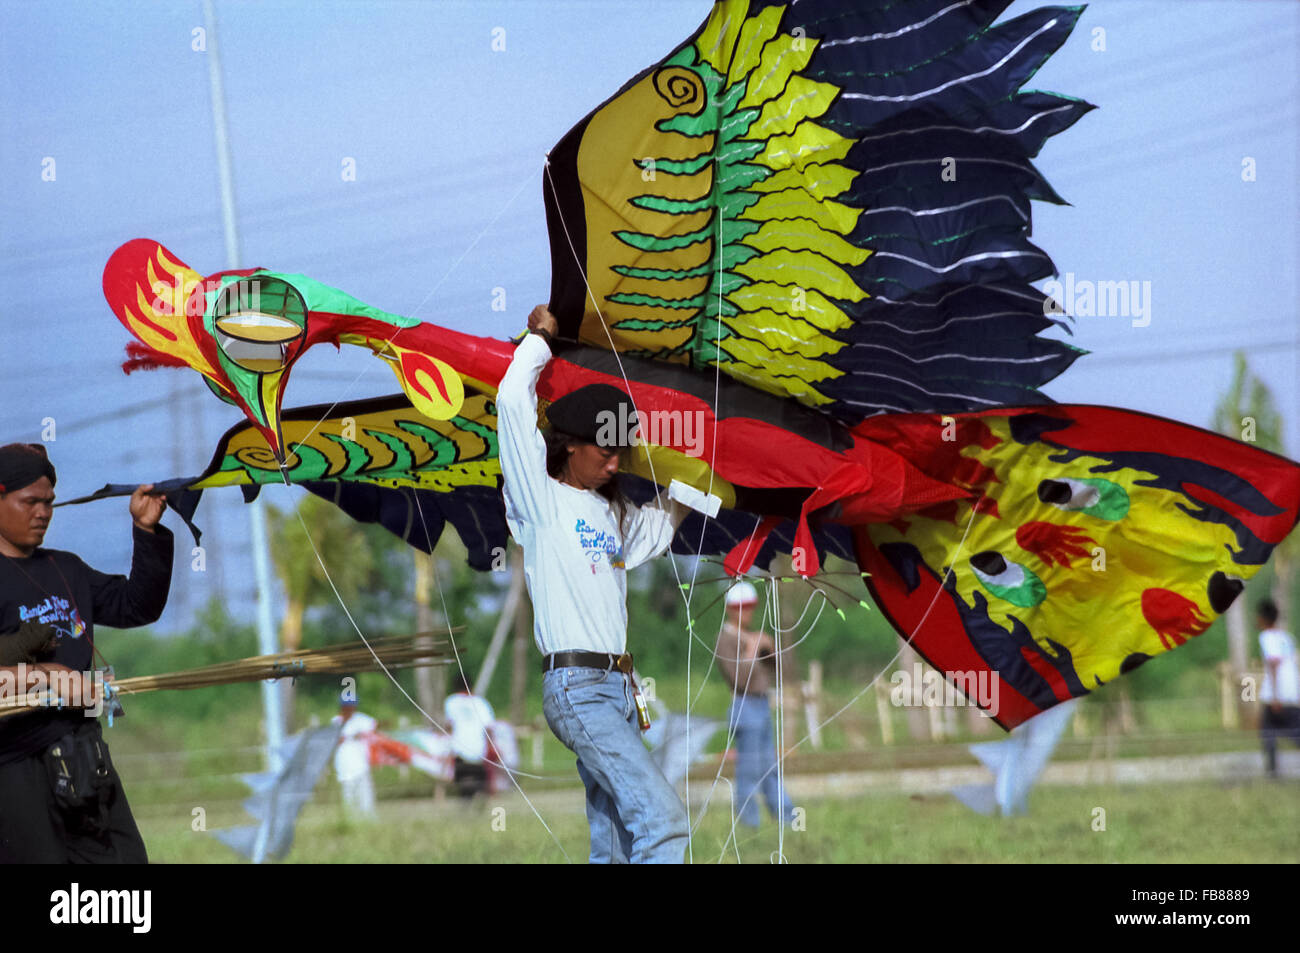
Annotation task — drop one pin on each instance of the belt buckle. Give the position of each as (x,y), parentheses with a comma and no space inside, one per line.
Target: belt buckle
(624,663)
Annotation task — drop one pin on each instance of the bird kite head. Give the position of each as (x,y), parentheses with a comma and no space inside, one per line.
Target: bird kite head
(243,331)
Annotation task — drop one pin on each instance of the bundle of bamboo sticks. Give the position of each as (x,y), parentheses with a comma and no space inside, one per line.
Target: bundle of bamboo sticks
(398,652)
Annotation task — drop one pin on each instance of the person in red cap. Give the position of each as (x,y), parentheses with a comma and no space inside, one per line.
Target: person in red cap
(579,537)
(747,659)
(61,800)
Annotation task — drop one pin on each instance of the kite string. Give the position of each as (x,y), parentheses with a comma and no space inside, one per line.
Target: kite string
(779,806)
(906,642)
(773,619)
(733,726)
(446,614)
(688,595)
(384,668)
(690,626)
(447,274)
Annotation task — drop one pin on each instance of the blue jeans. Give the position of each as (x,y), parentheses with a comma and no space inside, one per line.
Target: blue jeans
(756,760)
(634,813)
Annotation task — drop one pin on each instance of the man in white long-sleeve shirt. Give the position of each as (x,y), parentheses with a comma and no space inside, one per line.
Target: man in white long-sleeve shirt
(579,538)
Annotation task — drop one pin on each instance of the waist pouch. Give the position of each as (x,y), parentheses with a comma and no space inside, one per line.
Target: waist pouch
(79,769)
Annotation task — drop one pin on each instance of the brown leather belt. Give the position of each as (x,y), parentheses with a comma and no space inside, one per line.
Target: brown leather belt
(602,660)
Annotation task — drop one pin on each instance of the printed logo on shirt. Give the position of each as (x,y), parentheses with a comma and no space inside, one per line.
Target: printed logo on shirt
(601,546)
(57,612)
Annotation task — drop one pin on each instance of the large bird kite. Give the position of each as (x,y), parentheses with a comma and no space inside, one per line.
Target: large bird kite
(800,242)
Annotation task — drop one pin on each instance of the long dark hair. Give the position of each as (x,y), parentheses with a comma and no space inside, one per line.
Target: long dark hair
(557,455)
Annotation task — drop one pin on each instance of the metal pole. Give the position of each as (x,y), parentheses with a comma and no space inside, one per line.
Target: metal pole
(266,637)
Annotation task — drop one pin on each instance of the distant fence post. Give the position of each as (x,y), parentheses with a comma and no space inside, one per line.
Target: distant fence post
(537,744)
(1227,696)
(884,713)
(812,694)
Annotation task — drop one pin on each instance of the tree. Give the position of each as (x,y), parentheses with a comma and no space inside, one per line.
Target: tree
(1247,412)
(342,546)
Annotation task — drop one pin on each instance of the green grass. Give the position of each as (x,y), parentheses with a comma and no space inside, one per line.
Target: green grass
(1246,822)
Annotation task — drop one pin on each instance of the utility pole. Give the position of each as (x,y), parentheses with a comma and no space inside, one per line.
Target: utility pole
(429,696)
(273,713)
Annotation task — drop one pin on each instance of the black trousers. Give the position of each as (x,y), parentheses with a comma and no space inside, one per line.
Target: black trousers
(1278,724)
(469,778)
(34,829)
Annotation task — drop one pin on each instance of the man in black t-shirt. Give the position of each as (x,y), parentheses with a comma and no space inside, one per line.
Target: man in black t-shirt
(61,800)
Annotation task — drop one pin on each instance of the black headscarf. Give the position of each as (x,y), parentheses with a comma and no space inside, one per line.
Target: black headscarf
(22,464)
(595,414)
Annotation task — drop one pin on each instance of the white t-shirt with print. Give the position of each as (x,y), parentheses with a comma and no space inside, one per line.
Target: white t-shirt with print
(575,557)
(1278,644)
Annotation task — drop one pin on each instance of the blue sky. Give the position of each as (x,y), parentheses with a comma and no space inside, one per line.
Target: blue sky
(448,136)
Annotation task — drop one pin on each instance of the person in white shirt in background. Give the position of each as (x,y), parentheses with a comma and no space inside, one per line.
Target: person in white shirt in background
(1280,694)
(579,537)
(352,758)
(470,718)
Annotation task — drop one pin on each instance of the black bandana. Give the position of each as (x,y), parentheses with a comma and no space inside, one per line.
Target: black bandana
(22,464)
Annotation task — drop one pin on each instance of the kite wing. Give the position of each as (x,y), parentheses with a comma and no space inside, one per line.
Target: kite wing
(278,797)
(1016,763)
(1097,539)
(828,201)
(381,461)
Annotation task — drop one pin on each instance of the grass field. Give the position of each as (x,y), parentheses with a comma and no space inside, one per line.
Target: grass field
(173,765)
(1238,822)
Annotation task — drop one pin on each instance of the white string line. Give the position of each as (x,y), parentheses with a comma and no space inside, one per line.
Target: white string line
(733,726)
(690,624)
(775,621)
(447,274)
(906,643)
(780,728)
(713,657)
(384,668)
(506,768)
(717,388)
(731,801)
(653,478)
(686,598)
(446,615)
(790,628)
(713,649)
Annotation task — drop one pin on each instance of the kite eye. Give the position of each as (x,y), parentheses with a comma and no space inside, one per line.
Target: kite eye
(989,564)
(1010,581)
(1068,494)
(1104,499)
(256,320)
(1054,491)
